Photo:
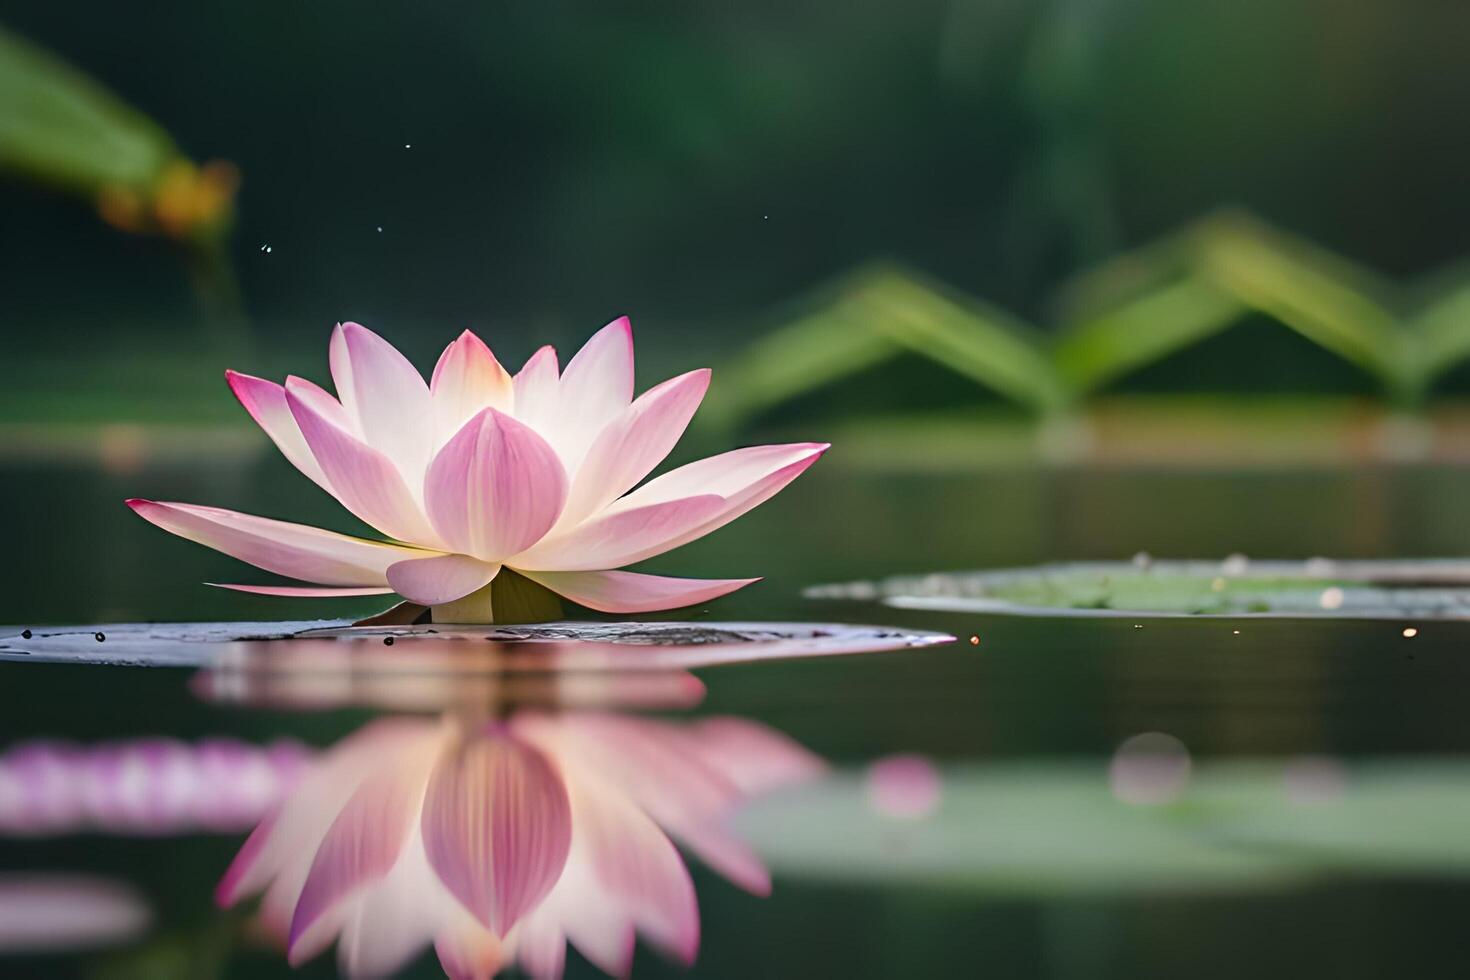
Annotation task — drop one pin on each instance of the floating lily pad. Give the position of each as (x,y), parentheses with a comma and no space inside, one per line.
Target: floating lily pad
(1317,588)
(1058,829)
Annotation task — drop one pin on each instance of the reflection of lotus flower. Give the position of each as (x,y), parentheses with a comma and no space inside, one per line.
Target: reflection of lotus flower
(143,786)
(480,470)
(64,913)
(499,842)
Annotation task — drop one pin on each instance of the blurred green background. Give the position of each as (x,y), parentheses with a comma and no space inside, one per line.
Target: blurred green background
(533,170)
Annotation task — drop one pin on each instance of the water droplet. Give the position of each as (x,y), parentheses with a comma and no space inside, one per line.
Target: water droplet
(387,641)
(25,634)
(380,229)
(99,637)
(974,641)
(1410,632)
(408,146)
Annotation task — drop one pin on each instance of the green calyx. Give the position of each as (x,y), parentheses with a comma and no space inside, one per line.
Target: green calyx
(509,598)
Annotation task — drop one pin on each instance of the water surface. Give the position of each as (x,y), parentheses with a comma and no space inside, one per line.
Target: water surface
(1026,703)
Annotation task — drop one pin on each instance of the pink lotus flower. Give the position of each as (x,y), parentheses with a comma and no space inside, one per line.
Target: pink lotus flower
(499,842)
(479,470)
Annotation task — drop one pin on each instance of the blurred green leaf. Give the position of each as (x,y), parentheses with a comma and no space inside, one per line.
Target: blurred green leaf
(1128,275)
(1443,331)
(1158,323)
(799,357)
(60,127)
(977,340)
(875,315)
(1316,298)
(1129,312)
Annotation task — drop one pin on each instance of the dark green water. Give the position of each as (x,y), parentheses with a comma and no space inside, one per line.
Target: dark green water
(1032,695)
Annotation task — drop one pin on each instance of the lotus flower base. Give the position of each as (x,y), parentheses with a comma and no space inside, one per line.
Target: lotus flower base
(509,599)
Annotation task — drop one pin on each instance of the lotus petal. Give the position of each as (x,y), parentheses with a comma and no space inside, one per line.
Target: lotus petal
(443,578)
(391,923)
(326,406)
(266,403)
(541,948)
(364,479)
(299,825)
(467,379)
(495,488)
(648,760)
(596,385)
(746,478)
(497,826)
(385,394)
(620,538)
(293,550)
(725,854)
(728,474)
(633,443)
(363,843)
(536,388)
(637,865)
(303,592)
(757,759)
(469,953)
(632,592)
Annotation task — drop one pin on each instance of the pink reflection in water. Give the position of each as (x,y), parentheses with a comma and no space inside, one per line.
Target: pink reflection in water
(500,841)
(1150,769)
(1311,780)
(904,786)
(65,912)
(143,786)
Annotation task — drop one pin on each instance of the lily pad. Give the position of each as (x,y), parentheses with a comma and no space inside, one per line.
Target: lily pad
(1235,587)
(1058,829)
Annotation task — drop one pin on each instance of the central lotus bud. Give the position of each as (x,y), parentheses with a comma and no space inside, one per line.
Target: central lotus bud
(497,493)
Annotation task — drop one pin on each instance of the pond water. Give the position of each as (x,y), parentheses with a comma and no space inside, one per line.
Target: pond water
(1302,809)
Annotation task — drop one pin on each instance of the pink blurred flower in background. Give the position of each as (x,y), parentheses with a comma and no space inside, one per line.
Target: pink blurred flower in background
(145,786)
(479,470)
(500,841)
(907,786)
